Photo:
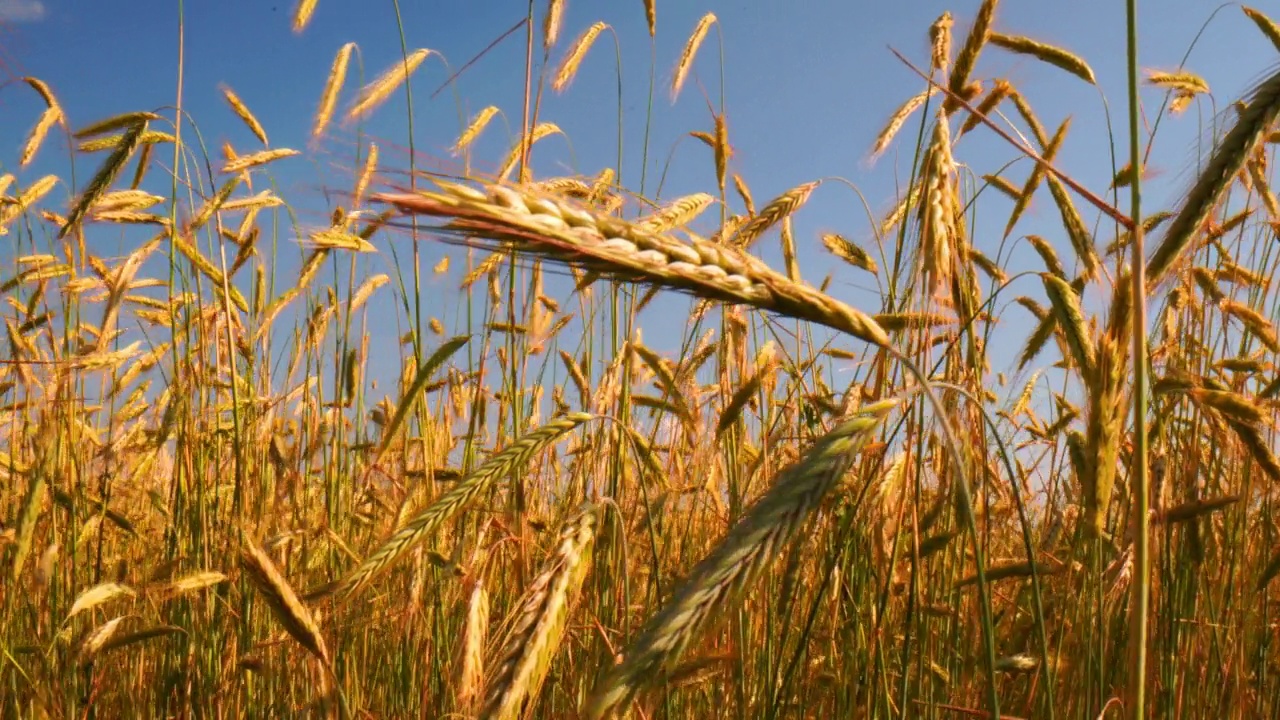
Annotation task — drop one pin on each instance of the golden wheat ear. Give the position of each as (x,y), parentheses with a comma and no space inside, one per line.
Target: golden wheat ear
(514,219)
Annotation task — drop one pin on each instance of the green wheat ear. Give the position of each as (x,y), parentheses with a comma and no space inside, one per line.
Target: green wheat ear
(722,575)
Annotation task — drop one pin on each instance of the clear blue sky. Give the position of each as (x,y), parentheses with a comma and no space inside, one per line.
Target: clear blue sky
(807,85)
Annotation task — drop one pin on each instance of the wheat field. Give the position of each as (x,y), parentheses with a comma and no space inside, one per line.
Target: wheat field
(210,511)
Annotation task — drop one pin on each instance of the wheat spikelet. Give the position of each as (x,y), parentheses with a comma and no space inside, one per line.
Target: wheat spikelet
(849,252)
(366,173)
(1029,117)
(745,193)
(1229,158)
(677,213)
(1045,53)
(105,176)
(1255,321)
(898,119)
(97,639)
(115,122)
(572,59)
(477,125)
(722,150)
(52,114)
(332,86)
(283,601)
(110,142)
(1079,235)
(97,596)
(302,14)
(938,208)
(456,499)
(1066,306)
(651,16)
(552,23)
(780,207)
(470,662)
(244,162)
(540,131)
(1264,24)
(376,92)
(999,93)
(1037,176)
(605,244)
(540,621)
(770,523)
(690,51)
(242,111)
(1182,82)
(940,42)
(973,44)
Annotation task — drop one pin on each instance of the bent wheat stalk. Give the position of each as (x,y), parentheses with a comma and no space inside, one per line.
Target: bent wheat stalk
(555,229)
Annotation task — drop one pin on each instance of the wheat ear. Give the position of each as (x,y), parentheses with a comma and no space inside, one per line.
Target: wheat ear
(757,538)
(566,233)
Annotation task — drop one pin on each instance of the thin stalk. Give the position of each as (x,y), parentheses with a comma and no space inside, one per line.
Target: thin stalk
(1140,600)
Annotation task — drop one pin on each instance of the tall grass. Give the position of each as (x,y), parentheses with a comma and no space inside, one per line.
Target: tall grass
(548,517)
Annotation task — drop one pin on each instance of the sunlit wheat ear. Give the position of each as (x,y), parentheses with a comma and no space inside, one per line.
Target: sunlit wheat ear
(419,528)
(283,601)
(564,232)
(332,86)
(539,626)
(719,578)
(690,52)
(376,92)
(1229,158)
(569,66)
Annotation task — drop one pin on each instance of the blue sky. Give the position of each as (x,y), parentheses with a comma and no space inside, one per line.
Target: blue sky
(807,86)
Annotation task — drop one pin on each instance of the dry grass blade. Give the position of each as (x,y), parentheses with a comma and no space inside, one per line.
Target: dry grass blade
(571,235)
(283,601)
(756,539)
(1230,157)
(376,92)
(690,52)
(332,86)
(540,621)
(456,499)
(414,392)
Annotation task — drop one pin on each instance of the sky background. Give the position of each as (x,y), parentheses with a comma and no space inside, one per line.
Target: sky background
(807,87)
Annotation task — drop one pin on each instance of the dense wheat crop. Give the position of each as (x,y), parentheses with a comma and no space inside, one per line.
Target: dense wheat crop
(210,511)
